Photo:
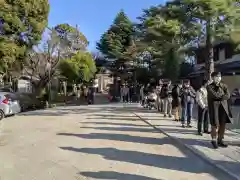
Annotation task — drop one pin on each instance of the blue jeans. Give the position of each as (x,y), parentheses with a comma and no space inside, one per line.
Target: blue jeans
(187,111)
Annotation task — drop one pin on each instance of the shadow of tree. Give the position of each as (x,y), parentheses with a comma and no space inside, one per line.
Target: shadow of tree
(115,175)
(114,124)
(165,162)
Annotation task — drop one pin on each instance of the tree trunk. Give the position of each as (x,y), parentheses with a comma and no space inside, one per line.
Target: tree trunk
(39,86)
(209,62)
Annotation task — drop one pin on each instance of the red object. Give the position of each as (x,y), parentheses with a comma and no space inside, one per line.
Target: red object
(5,101)
(110,97)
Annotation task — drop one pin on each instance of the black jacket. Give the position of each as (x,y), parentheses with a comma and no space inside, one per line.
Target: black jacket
(218,99)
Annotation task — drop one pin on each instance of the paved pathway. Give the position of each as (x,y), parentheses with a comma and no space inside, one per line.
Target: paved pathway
(93,142)
(227,159)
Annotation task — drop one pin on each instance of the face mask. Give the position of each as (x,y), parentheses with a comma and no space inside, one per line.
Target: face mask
(217,79)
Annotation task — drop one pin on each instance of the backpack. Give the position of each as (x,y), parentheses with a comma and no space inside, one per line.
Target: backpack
(164,91)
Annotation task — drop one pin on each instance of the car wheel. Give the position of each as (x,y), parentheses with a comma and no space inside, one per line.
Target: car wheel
(2,115)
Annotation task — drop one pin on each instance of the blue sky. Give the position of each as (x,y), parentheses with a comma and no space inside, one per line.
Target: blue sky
(93,17)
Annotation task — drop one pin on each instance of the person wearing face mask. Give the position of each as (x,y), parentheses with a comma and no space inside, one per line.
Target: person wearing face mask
(187,95)
(219,109)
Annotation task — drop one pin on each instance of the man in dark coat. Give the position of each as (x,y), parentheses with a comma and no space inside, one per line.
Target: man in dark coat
(219,109)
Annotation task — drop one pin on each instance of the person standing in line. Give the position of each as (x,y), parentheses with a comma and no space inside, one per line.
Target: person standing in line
(121,93)
(219,109)
(167,99)
(159,100)
(187,95)
(131,93)
(136,89)
(145,91)
(78,91)
(142,95)
(176,103)
(201,99)
(91,94)
(126,93)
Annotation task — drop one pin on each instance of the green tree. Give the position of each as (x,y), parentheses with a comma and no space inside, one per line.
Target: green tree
(115,43)
(69,69)
(213,20)
(162,33)
(22,23)
(80,67)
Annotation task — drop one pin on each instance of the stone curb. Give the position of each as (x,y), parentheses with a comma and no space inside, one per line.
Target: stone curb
(193,150)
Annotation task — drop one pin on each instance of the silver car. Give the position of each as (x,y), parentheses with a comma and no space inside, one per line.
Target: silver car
(9,104)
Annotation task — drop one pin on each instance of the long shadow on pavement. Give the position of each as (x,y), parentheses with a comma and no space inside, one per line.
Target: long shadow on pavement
(114,124)
(124,129)
(184,164)
(135,139)
(139,129)
(115,175)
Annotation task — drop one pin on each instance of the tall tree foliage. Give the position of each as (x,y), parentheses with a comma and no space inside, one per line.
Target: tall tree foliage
(22,23)
(213,20)
(179,24)
(162,32)
(79,68)
(116,41)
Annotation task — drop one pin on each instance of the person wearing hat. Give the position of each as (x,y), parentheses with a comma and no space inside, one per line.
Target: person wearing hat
(219,109)
(187,95)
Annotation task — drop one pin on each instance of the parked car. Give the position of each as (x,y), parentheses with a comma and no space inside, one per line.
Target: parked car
(9,104)
(29,101)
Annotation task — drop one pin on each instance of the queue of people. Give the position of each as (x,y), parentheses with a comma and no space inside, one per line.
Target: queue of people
(130,93)
(212,100)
